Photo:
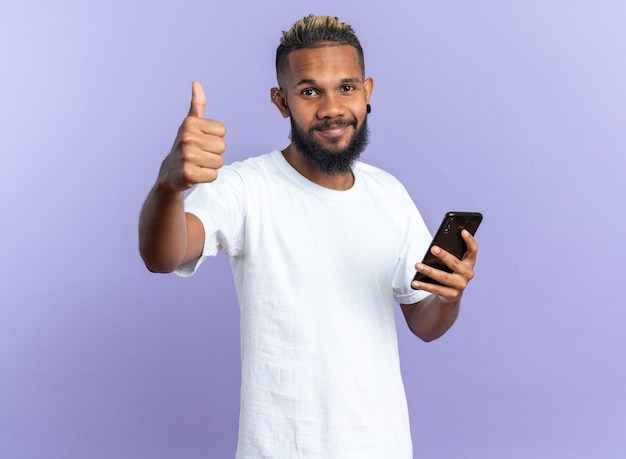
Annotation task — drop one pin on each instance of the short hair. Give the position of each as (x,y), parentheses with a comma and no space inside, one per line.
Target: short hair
(314,32)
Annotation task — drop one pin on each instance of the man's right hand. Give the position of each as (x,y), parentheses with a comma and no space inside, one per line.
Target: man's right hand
(197,151)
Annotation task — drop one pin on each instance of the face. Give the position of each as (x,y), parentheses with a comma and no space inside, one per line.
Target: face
(325,95)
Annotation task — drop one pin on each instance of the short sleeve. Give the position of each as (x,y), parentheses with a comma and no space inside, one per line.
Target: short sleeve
(221,207)
(415,241)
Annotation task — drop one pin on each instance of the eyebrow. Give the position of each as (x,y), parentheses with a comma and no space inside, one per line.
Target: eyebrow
(314,82)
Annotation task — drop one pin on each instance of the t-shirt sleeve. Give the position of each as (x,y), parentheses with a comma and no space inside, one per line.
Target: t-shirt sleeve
(415,242)
(220,206)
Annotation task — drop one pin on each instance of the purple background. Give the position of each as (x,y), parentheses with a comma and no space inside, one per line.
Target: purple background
(516,109)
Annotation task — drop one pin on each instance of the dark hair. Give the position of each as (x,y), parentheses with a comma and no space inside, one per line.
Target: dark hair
(314,32)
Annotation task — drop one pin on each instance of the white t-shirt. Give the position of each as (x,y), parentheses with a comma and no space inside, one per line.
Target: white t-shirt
(316,272)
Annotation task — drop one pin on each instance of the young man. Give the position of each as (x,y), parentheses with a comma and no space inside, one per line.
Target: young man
(320,246)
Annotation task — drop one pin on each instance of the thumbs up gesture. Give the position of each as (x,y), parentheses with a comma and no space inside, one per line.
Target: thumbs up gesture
(197,151)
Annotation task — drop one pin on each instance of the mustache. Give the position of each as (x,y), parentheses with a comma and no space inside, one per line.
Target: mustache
(333,123)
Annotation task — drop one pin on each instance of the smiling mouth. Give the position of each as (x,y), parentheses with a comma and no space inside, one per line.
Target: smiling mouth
(332,131)
(333,126)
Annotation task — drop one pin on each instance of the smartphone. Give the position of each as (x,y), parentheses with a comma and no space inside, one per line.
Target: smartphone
(448,237)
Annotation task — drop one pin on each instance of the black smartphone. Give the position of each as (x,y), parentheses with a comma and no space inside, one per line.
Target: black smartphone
(448,237)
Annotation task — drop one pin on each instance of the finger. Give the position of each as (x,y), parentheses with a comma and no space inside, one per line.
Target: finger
(471,244)
(436,275)
(212,127)
(193,137)
(204,159)
(198,174)
(193,127)
(462,271)
(445,257)
(198,100)
(446,293)
(462,267)
(212,144)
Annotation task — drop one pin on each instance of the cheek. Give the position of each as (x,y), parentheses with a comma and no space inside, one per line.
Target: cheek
(296,123)
(304,111)
(360,110)
(300,117)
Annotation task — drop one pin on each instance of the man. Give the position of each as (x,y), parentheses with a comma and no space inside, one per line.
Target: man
(320,246)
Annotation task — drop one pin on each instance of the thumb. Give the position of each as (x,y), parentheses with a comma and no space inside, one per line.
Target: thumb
(198,100)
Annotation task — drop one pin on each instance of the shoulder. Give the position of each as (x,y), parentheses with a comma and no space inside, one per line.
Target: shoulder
(376,177)
(252,167)
(235,178)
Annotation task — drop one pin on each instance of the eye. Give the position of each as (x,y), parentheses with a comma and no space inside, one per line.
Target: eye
(309,92)
(347,88)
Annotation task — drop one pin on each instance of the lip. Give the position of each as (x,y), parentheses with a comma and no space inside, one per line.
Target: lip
(333,131)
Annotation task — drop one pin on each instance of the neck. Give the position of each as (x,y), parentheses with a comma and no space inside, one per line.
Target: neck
(339,181)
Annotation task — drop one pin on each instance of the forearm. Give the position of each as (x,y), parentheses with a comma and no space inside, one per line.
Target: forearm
(432,317)
(163,230)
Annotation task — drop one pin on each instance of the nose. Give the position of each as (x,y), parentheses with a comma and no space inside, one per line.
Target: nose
(331,106)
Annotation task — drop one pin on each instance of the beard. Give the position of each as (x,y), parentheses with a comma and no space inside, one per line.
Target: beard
(331,161)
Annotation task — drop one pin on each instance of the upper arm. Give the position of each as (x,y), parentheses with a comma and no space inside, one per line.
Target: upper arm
(195,238)
(407,310)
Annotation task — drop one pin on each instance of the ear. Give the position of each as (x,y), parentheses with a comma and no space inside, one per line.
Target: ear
(277,96)
(368,84)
